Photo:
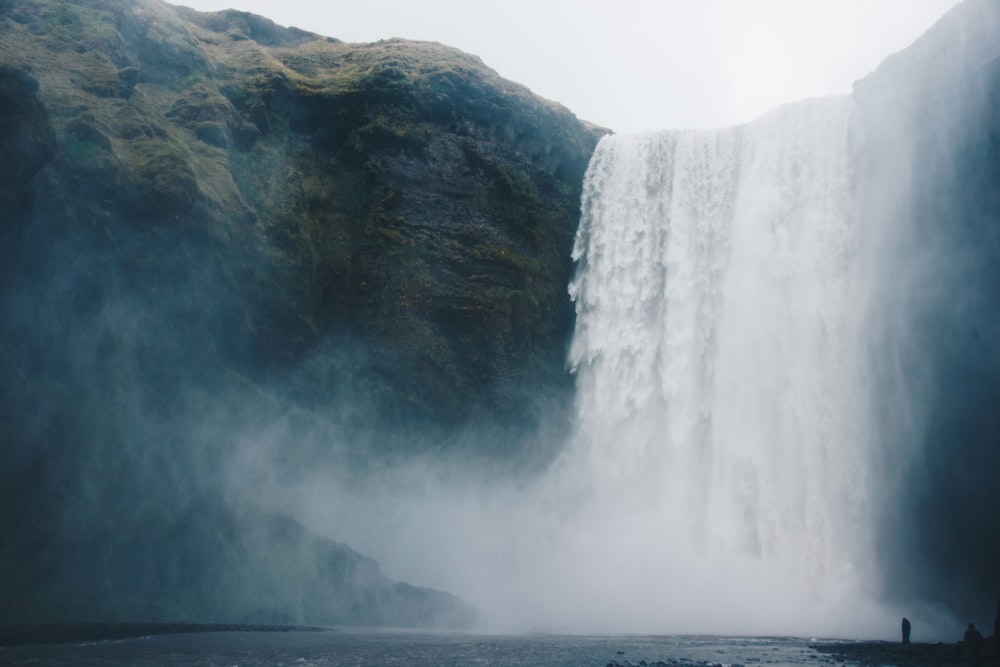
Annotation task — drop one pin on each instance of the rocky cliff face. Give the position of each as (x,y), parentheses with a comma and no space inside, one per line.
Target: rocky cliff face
(212,220)
(927,133)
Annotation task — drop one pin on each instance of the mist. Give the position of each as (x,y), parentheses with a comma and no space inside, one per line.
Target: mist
(702,488)
(923,172)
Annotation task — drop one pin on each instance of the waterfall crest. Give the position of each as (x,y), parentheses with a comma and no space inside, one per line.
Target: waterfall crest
(717,351)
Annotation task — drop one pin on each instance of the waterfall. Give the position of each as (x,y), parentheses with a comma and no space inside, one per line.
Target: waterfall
(717,348)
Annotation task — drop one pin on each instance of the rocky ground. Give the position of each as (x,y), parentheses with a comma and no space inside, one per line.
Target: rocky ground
(863,653)
(29,635)
(866,654)
(893,653)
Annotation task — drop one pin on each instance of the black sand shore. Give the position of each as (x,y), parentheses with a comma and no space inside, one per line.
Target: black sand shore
(28,635)
(876,653)
(861,654)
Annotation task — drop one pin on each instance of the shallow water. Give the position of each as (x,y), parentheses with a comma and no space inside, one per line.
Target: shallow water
(353,647)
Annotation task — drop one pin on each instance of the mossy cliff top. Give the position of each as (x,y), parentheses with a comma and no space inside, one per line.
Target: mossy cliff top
(399,195)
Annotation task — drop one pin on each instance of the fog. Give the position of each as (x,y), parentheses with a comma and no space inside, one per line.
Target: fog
(933,299)
(557,554)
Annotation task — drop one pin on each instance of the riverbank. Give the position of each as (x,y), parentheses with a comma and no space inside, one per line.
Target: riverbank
(29,635)
(876,653)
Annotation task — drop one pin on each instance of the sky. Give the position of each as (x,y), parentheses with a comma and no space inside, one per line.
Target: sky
(636,65)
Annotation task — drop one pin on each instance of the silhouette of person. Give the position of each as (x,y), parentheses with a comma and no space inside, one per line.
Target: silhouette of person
(906,630)
(974,644)
(996,634)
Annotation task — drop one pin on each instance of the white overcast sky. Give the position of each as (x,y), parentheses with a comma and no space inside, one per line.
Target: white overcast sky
(634,65)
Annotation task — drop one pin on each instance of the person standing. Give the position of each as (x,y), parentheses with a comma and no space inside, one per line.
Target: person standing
(974,644)
(996,633)
(906,630)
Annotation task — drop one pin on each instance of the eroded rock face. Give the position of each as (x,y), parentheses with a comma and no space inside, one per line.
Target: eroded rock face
(213,222)
(27,138)
(400,194)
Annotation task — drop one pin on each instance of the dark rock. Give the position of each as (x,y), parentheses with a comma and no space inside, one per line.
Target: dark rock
(215,223)
(875,653)
(127,77)
(26,135)
(927,130)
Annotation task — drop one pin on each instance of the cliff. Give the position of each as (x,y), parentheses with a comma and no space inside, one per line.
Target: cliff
(213,223)
(926,136)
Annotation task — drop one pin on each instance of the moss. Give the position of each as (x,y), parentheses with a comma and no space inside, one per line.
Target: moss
(212,133)
(85,131)
(164,183)
(508,182)
(511,258)
(384,131)
(86,152)
(128,76)
(391,187)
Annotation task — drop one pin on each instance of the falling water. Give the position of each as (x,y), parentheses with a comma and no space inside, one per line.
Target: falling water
(717,351)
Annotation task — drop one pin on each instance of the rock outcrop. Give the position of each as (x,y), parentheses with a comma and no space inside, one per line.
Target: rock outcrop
(926,126)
